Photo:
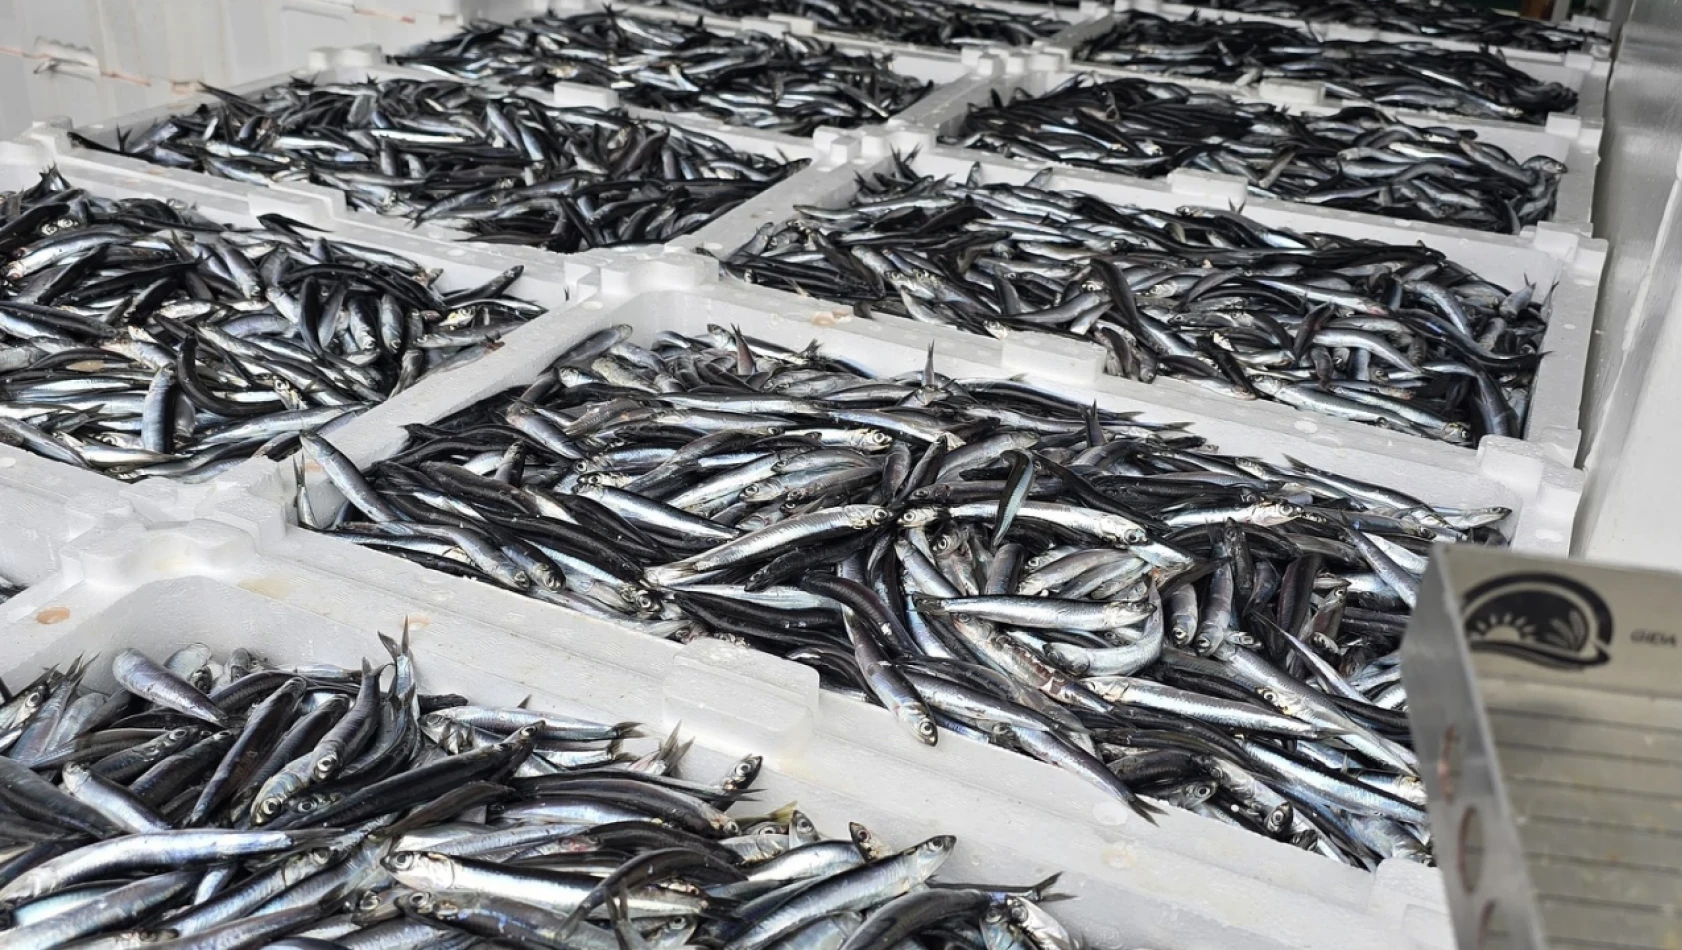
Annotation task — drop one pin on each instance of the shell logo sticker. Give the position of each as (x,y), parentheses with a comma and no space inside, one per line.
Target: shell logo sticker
(1547,619)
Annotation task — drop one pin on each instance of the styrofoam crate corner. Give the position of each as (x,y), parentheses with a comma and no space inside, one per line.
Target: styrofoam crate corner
(1186,882)
(44,507)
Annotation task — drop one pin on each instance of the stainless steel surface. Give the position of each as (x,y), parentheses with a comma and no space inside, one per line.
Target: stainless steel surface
(1628,420)
(1545,699)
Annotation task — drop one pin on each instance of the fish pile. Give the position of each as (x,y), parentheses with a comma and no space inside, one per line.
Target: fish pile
(1358,159)
(140,339)
(501,166)
(1397,75)
(248,804)
(981,557)
(787,83)
(1388,335)
(918,22)
(8,590)
(1437,19)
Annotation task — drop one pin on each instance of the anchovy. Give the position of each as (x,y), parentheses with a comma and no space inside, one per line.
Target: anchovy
(916,22)
(1147,602)
(400,844)
(1380,334)
(1415,76)
(783,83)
(502,167)
(1359,158)
(1437,19)
(170,345)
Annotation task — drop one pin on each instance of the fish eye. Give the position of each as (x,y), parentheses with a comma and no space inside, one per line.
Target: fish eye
(925,727)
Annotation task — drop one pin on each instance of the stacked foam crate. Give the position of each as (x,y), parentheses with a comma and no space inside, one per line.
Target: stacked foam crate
(229,560)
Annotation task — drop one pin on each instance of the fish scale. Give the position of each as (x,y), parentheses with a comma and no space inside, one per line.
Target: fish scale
(502,167)
(1358,159)
(1216,628)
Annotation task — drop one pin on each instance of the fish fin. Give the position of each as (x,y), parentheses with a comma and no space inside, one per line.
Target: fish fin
(1146,810)
(1042,888)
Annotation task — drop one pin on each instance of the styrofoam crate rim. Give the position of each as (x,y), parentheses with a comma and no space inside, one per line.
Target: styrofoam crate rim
(1577,263)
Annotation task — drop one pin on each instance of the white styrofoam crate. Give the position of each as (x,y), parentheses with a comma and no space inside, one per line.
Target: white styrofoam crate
(1120,858)
(1566,139)
(1547,255)
(1601,49)
(328,204)
(242,568)
(1581,73)
(1187,883)
(58,501)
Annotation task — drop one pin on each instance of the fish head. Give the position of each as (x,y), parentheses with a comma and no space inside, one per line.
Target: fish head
(543,577)
(1068,658)
(743,773)
(871,439)
(918,517)
(800,827)
(1457,432)
(917,718)
(673,934)
(275,793)
(1279,818)
(327,764)
(868,842)
(1118,530)
(862,517)
(422,870)
(435,906)
(931,854)
(764,490)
